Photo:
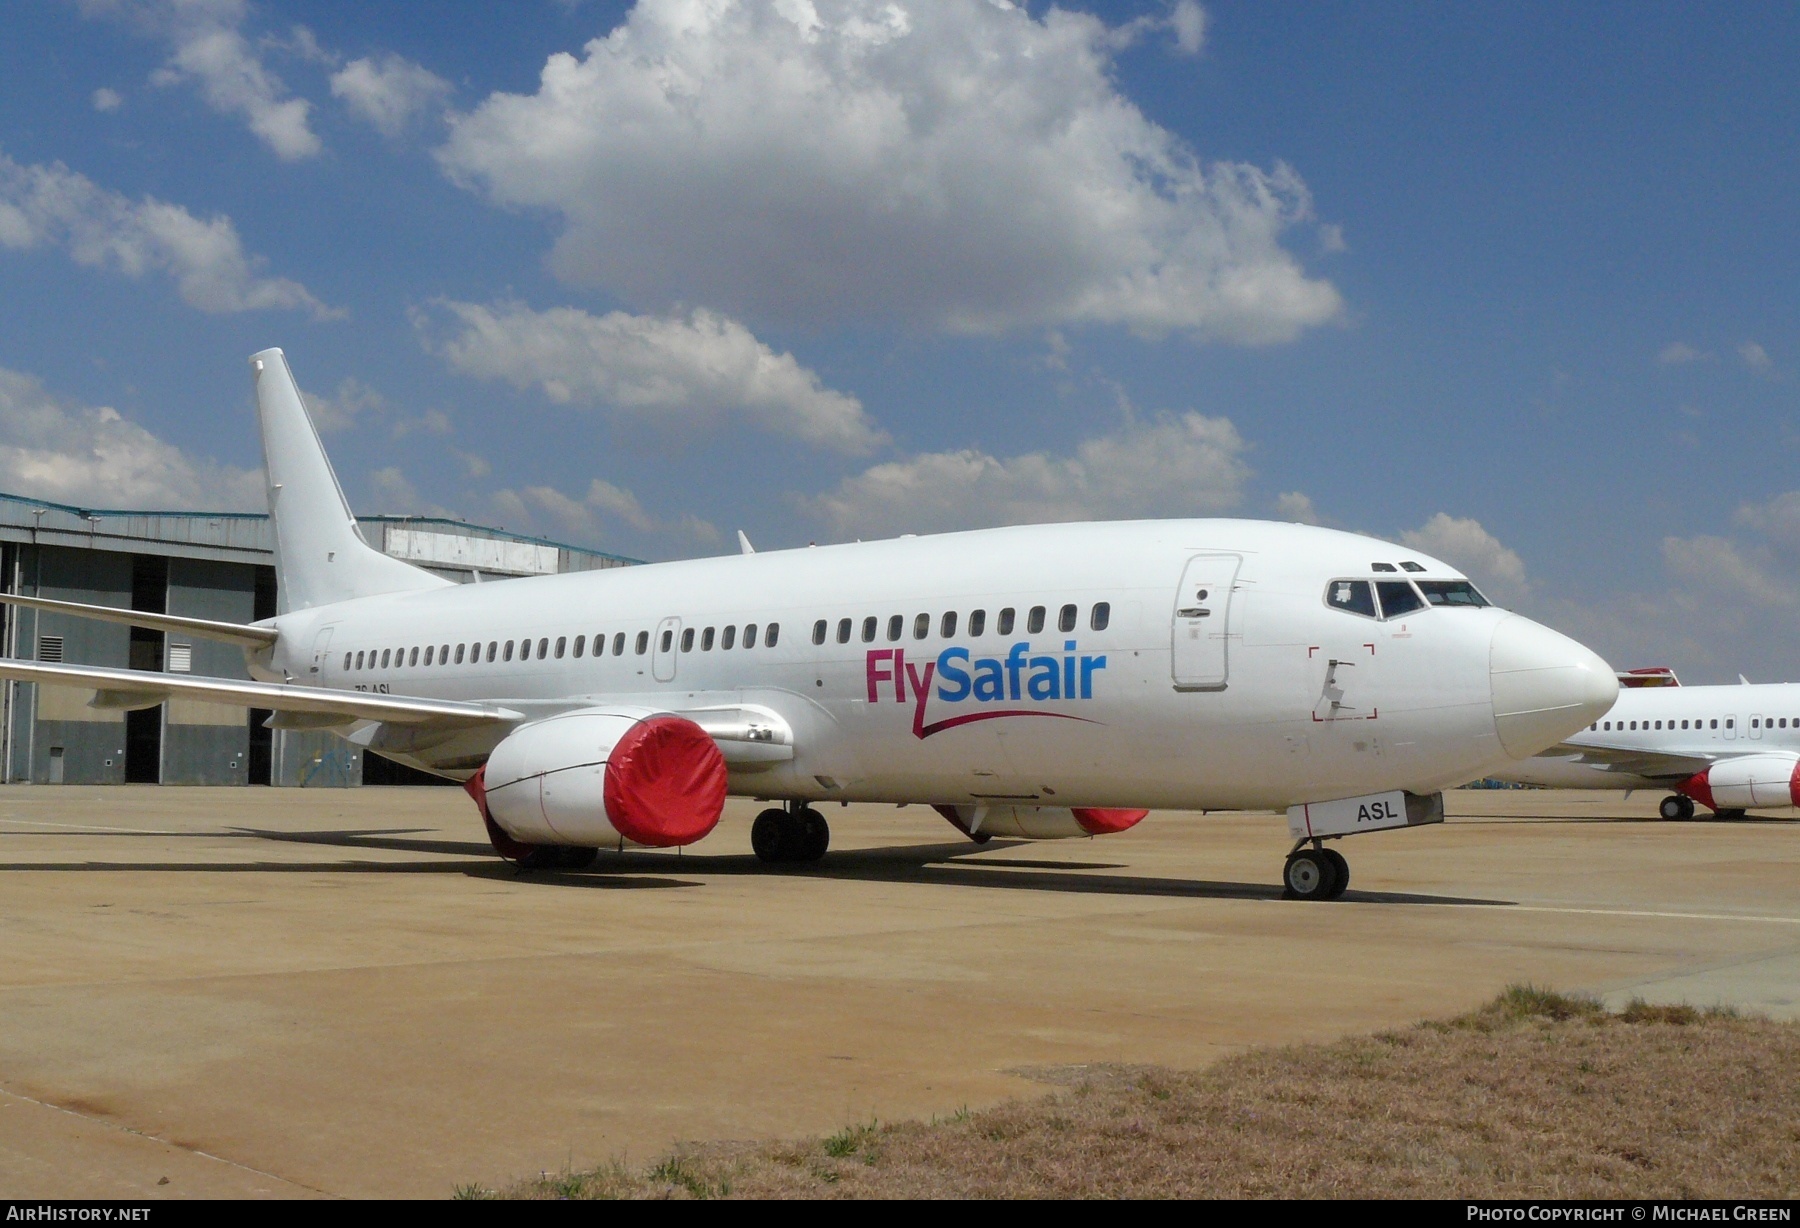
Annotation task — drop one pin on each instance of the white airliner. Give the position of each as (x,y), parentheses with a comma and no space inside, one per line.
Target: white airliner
(1730,748)
(1032,682)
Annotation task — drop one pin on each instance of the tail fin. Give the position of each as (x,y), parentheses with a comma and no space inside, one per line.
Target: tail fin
(319,556)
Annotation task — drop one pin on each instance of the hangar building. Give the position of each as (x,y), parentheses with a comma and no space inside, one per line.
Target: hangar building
(205,565)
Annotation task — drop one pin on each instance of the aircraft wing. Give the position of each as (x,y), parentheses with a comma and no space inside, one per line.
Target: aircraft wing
(308,705)
(1633,761)
(199,628)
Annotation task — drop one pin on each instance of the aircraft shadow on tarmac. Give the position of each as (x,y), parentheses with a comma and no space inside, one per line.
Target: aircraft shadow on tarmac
(939,864)
(955,864)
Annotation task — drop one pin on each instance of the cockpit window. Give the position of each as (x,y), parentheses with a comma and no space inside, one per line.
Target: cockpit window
(1409,565)
(1355,596)
(1397,598)
(1451,592)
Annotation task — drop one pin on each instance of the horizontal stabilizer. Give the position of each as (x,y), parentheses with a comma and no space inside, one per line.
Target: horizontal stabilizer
(199,628)
(117,687)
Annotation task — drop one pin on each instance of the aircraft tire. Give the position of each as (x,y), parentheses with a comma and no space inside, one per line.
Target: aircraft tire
(814,835)
(769,836)
(1340,872)
(1676,807)
(540,857)
(1308,875)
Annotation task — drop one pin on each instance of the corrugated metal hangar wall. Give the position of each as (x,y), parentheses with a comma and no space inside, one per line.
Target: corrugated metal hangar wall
(206,565)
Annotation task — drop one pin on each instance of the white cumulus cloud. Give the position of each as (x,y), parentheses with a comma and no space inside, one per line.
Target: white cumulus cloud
(962,164)
(1755,357)
(388,92)
(53,205)
(1171,466)
(91,456)
(1496,569)
(1677,353)
(1723,571)
(208,50)
(108,100)
(1187,20)
(679,368)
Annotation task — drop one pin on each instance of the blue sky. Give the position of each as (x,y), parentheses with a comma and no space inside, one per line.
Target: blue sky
(1513,283)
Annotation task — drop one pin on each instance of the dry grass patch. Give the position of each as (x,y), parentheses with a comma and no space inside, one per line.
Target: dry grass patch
(1537,1094)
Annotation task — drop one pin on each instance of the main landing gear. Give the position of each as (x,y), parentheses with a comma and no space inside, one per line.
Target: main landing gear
(1315,873)
(798,833)
(1676,807)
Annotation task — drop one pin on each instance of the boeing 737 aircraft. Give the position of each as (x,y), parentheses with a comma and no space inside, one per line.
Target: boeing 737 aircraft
(1032,682)
(1730,748)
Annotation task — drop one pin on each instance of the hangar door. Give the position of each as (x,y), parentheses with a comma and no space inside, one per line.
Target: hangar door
(1202,615)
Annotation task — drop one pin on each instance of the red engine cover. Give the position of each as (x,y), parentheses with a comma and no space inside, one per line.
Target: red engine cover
(1105,822)
(665,783)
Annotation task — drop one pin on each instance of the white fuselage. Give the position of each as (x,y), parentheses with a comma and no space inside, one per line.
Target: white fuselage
(1260,695)
(1700,722)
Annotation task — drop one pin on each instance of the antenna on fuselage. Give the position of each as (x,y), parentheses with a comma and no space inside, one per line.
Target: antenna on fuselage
(744,546)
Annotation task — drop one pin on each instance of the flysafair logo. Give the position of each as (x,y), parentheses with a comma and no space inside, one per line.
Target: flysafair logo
(963,678)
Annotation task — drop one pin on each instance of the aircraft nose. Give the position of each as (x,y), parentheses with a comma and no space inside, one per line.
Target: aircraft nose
(1545,686)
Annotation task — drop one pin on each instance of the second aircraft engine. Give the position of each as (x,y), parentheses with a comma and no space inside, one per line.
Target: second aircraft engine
(1747,782)
(592,776)
(982,823)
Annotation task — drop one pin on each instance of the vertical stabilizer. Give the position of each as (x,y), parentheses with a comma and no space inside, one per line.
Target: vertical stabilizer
(320,557)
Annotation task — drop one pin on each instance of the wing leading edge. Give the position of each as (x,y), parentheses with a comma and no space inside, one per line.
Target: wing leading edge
(132,688)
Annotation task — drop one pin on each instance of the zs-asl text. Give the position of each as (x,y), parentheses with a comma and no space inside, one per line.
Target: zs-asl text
(379,688)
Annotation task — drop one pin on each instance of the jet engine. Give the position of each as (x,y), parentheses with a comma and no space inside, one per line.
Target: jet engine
(586,778)
(1747,782)
(983,823)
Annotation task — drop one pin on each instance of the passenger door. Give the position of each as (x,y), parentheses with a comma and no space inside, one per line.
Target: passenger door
(321,650)
(664,647)
(1200,657)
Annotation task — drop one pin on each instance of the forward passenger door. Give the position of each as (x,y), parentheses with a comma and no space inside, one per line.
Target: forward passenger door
(1200,659)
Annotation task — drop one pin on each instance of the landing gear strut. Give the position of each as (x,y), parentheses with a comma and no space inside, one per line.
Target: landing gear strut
(798,833)
(1315,873)
(1676,807)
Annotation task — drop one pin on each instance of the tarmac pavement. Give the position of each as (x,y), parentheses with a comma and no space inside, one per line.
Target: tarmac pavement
(322,992)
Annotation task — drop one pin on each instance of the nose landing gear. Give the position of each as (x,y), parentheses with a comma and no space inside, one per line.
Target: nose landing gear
(796,834)
(1315,873)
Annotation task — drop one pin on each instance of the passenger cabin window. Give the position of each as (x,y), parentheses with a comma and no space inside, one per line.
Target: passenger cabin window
(412,658)
(493,648)
(1101,616)
(921,626)
(580,643)
(819,629)
(947,625)
(459,653)
(1034,622)
(428,653)
(750,635)
(1397,598)
(1065,618)
(977,621)
(543,648)
(868,634)
(1451,592)
(618,643)
(1351,596)
(895,625)
(687,640)
(728,638)
(706,640)
(643,643)
(771,633)
(359,660)
(843,635)
(443,654)
(346,661)
(668,638)
(385,653)
(1004,624)
(506,653)
(562,643)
